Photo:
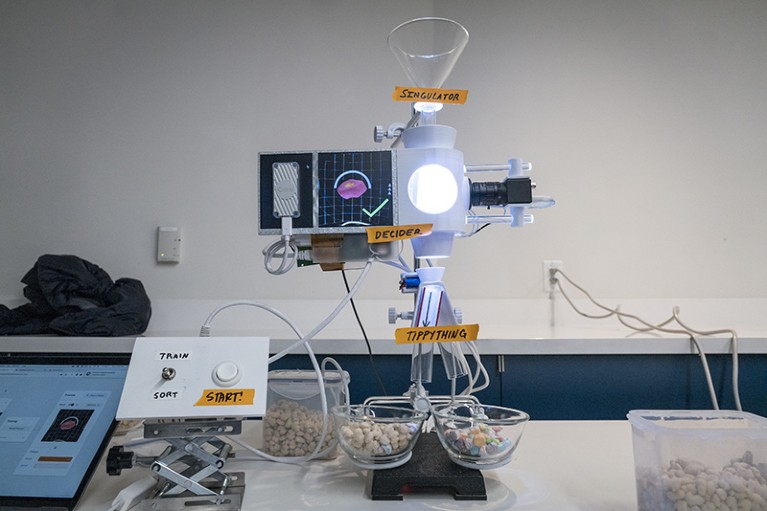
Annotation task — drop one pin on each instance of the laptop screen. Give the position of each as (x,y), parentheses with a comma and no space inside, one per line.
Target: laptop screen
(57,414)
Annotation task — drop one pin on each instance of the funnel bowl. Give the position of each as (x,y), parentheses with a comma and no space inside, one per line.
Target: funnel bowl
(428,48)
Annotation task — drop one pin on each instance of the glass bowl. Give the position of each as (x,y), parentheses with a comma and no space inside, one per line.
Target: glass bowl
(479,436)
(377,436)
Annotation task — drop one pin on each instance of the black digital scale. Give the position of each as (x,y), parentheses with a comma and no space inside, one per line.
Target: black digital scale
(430,470)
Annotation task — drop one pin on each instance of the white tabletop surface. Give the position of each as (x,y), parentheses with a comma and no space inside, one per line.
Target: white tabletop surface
(559,465)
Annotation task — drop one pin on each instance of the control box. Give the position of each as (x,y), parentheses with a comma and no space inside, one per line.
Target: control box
(196,377)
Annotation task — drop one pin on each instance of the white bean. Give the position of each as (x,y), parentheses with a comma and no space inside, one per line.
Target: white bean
(374,439)
(688,485)
(290,429)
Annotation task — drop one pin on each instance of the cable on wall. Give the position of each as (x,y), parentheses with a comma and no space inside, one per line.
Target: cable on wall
(663,327)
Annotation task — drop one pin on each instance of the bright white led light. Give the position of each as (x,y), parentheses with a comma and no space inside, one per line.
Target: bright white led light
(432,189)
(426,107)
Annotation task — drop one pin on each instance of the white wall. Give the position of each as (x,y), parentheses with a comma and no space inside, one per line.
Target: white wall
(646,121)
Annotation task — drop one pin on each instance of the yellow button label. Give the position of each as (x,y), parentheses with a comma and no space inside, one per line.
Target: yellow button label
(425,334)
(446,96)
(395,233)
(226,397)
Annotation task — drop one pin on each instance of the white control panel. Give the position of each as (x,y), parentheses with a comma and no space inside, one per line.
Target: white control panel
(196,377)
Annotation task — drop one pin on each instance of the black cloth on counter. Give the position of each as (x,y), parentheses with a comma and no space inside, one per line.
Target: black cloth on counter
(71,296)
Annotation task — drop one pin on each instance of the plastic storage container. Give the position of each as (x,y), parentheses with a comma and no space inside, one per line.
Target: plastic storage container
(292,424)
(699,460)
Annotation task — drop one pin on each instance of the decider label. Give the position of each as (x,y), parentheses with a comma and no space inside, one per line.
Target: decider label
(425,334)
(396,233)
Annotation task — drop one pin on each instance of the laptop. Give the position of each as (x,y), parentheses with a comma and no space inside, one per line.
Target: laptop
(57,415)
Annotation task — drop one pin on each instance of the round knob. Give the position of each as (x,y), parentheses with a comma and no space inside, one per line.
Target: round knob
(422,403)
(118,459)
(378,133)
(226,374)
(392,315)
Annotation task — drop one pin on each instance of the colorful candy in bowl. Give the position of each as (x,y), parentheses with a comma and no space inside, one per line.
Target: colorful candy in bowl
(479,436)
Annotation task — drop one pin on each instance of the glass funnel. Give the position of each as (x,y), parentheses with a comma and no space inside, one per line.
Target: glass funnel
(428,48)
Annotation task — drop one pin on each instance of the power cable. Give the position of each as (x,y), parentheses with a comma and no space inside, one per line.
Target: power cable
(662,327)
(365,336)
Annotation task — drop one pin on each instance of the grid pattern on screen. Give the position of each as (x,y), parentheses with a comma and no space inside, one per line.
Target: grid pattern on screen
(355,189)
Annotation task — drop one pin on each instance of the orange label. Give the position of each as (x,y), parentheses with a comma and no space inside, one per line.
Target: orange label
(226,397)
(398,232)
(447,96)
(425,334)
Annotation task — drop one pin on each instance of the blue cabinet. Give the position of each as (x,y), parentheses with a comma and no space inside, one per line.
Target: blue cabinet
(573,387)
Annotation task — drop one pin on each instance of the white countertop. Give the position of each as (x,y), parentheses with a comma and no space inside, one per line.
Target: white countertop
(519,319)
(638,345)
(507,327)
(559,465)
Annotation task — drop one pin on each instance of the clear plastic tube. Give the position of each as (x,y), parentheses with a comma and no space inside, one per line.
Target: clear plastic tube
(421,363)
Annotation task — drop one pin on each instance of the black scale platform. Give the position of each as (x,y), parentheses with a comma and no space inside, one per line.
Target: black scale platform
(429,470)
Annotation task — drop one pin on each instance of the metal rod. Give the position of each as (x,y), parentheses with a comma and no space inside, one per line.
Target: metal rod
(491,167)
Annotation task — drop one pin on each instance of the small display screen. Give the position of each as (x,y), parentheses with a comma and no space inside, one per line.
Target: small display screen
(355,189)
(338,191)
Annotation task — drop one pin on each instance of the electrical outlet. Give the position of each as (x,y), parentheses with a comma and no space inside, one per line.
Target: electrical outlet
(548,266)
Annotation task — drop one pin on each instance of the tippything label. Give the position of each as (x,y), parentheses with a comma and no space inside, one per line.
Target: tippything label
(426,334)
(395,233)
(226,397)
(446,96)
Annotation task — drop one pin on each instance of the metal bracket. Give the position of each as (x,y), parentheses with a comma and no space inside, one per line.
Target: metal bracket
(190,469)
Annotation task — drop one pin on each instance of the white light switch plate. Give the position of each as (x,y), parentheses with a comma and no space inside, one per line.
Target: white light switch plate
(196,377)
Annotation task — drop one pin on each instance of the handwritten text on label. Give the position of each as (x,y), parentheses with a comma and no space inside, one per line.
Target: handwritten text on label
(449,96)
(396,233)
(226,397)
(173,355)
(453,333)
(167,394)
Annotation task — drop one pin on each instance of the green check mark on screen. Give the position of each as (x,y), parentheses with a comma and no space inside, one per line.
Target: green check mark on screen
(376,210)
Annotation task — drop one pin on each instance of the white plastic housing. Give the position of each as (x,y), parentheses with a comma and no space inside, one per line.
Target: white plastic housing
(427,145)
